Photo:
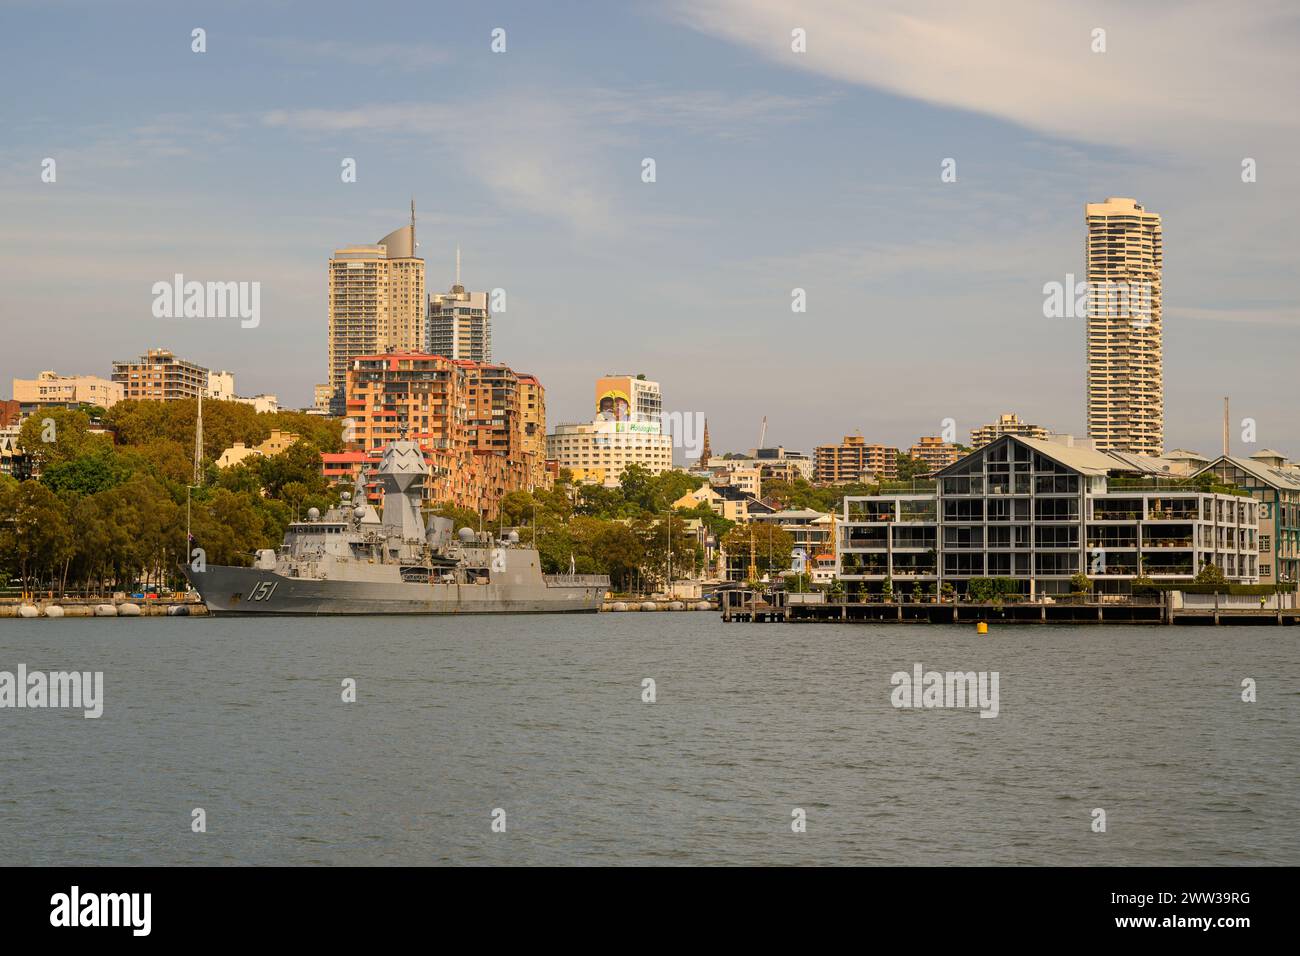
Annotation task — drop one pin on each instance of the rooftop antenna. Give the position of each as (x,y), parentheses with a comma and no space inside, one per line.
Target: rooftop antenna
(458,263)
(413,242)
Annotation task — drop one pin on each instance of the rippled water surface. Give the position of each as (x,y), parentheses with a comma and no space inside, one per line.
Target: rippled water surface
(543,717)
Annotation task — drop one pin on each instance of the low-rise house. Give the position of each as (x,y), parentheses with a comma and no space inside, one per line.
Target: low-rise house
(725,500)
(278,441)
(810,530)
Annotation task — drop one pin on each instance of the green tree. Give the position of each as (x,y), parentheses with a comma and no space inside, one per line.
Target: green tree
(224,423)
(638,487)
(517,508)
(98,468)
(555,502)
(718,526)
(300,463)
(35,534)
(104,529)
(910,468)
(1211,574)
(165,459)
(773,548)
(670,486)
(229,527)
(59,435)
(461,517)
(325,433)
(242,477)
(618,552)
(597,501)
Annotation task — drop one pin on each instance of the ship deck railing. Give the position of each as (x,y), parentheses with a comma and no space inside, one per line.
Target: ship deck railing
(576,580)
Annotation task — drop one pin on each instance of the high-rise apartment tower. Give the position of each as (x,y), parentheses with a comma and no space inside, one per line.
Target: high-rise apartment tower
(1126,406)
(376,304)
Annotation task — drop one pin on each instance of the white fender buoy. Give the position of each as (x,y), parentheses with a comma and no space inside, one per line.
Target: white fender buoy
(54,611)
(28,610)
(105,610)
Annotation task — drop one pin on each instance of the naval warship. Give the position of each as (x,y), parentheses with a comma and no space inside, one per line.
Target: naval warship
(353,560)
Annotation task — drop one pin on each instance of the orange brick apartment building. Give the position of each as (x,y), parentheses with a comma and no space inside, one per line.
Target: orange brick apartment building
(482,426)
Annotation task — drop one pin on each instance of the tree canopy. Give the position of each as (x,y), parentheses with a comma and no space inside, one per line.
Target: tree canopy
(109,509)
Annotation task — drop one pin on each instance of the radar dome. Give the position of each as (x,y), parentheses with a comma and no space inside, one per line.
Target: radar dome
(313,514)
(359,511)
(466,535)
(513,537)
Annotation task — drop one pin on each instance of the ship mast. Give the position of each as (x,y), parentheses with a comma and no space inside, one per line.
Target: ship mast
(198,443)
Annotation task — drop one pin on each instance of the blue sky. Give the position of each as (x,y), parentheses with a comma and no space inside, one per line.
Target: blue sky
(775,170)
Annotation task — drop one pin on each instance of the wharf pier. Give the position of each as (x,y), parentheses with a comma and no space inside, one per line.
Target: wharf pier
(44,607)
(758,607)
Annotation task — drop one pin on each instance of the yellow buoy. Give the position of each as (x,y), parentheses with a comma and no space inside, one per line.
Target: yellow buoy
(981,628)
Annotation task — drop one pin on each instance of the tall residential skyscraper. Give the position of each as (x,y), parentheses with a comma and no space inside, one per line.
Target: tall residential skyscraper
(459,324)
(1126,403)
(376,304)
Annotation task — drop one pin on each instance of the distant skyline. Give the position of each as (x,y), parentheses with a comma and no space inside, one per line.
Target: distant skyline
(775,170)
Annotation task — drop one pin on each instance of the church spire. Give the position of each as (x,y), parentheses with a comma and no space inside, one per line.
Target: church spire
(705,452)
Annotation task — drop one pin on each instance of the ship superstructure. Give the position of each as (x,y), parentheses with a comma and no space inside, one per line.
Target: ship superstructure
(357,560)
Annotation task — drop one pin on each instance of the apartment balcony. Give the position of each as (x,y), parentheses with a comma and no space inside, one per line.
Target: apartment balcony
(1186,543)
(1113,544)
(1181,513)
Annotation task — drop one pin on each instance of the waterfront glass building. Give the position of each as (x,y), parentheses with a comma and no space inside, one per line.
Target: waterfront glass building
(1275,483)
(1041,511)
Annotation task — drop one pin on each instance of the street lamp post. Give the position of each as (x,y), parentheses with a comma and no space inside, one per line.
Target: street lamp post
(670,555)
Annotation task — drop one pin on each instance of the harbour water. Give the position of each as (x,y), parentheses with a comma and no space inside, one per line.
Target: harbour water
(543,718)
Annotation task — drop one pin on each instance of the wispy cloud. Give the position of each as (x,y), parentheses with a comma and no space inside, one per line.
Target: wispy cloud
(1168,70)
(1284,315)
(566,156)
(405,57)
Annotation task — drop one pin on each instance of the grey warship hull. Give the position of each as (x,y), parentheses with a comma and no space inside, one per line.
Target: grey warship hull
(352,561)
(248,591)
